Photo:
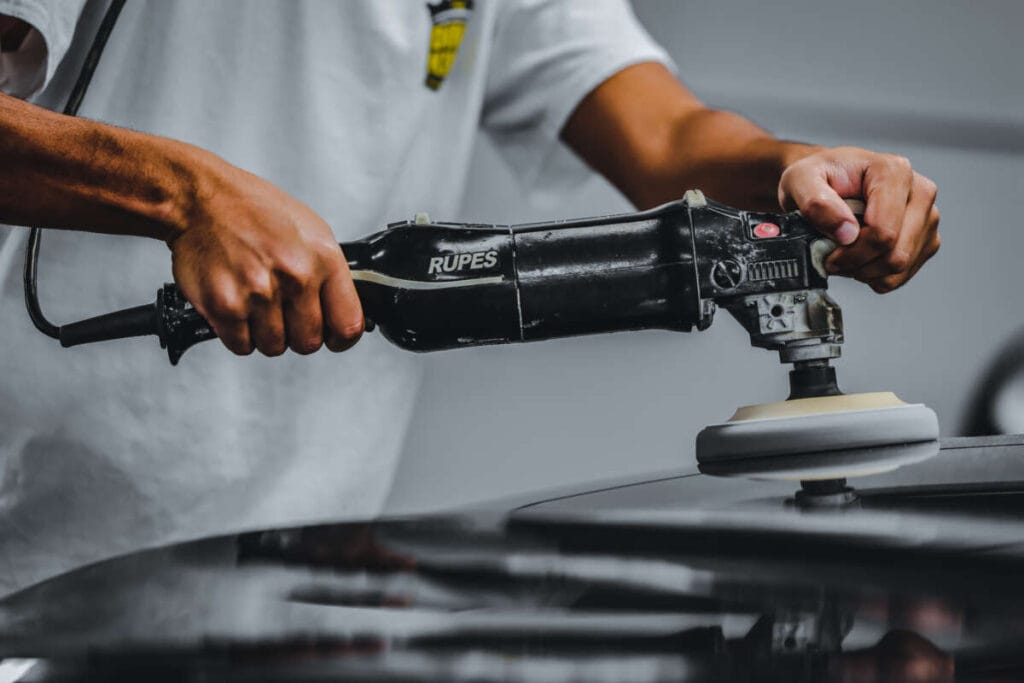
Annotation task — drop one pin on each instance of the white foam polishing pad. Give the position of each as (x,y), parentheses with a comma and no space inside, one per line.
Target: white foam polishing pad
(820,438)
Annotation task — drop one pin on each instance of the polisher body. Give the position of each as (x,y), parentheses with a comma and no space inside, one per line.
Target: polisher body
(430,285)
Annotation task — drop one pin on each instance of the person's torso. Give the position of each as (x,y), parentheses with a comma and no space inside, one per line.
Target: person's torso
(107,448)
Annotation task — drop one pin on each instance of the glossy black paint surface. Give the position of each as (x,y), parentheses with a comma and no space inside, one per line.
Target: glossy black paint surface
(682,578)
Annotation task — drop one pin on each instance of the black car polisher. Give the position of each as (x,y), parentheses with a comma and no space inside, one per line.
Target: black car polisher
(430,286)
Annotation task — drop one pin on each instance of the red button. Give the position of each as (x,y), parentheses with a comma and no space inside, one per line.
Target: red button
(764,230)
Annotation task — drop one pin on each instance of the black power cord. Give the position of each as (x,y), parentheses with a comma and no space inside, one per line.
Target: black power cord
(70,109)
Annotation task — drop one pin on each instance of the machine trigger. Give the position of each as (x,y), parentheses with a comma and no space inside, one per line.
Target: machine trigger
(820,250)
(856,205)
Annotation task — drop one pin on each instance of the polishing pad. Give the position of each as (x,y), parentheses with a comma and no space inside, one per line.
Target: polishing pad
(826,437)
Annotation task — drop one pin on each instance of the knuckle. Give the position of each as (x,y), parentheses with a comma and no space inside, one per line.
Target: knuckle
(307,345)
(927,187)
(328,248)
(898,261)
(234,336)
(933,218)
(884,239)
(346,336)
(272,349)
(300,274)
(894,282)
(226,306)
(898,163)
(817,204)
(260,285)
(271,342)
(351,331)
(882,286)
(239,347)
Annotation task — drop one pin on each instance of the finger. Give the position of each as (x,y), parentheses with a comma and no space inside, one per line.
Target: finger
(227,313)
(342,312)
(886,191)
(913,235)
(234,335)
(930,250)
(890,282)
(266,326)
(807,189)
(304,322)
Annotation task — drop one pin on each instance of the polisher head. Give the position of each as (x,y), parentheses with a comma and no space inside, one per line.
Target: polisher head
(825,437)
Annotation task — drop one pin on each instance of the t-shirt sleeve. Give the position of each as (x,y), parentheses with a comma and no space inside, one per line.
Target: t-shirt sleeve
(25,72)
(546,57)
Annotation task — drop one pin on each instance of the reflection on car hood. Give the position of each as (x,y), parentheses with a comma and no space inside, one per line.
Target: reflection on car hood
(684,578)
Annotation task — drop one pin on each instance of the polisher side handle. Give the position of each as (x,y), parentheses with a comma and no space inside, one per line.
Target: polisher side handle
(171,318)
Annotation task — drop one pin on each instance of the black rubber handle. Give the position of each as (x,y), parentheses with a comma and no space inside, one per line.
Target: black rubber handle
(170,317)
(131,322)
(179,325)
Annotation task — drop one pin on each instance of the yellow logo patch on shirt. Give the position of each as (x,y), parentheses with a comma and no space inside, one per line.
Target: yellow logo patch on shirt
(449,19)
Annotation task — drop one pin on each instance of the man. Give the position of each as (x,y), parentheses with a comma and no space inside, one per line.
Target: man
(349,115)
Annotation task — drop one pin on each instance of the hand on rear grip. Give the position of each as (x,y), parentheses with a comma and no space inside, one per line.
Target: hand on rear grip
(264,269)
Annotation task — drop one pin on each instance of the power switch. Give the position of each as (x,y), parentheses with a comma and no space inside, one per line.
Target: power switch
(764,231)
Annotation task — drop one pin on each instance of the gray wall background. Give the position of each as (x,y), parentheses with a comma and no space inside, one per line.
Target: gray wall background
(939,81)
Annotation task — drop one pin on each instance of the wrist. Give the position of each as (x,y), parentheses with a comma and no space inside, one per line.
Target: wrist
(763,159)
(187,173)
(134,183)
(66,172)
(159,192)
(791,152)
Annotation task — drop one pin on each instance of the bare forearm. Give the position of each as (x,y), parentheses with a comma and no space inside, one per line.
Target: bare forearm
(259,265)
(725,155)
(654,148)
(63,172)
(651,137)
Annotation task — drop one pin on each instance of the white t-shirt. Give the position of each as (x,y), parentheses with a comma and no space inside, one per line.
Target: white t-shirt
(107,448)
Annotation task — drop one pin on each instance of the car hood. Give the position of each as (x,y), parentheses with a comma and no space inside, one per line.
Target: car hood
(915,576)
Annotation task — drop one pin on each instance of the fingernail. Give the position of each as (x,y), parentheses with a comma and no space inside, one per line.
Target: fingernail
(847,233)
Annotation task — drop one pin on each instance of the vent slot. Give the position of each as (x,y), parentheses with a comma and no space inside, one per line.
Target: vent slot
(773,270)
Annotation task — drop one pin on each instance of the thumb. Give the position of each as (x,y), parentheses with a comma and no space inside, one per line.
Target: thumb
(806,187)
